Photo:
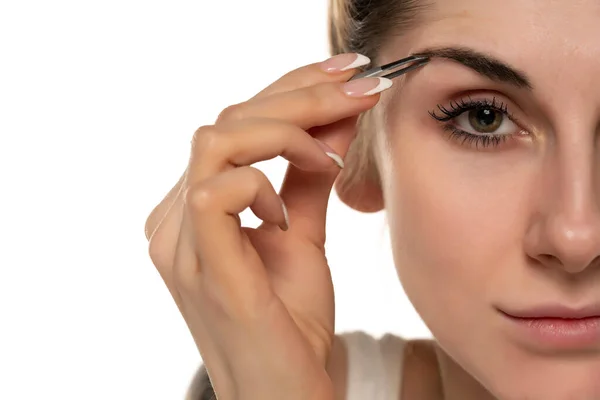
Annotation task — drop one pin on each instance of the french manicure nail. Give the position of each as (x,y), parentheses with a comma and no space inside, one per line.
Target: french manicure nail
(344,62)
(366,86)
(285,226)
(331,153)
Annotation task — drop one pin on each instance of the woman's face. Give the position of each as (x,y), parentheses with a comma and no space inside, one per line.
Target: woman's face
(494,204)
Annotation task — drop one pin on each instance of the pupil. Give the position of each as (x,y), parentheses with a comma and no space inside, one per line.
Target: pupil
(486,117)
(485,120)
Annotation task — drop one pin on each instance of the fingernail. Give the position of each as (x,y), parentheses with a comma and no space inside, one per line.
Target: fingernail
(285,226)
(366,86)
(331,153)
(344,62)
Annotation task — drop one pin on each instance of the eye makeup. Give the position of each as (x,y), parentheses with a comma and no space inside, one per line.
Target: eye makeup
(479,123)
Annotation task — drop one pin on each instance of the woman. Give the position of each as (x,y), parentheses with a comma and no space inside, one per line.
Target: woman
(486,162)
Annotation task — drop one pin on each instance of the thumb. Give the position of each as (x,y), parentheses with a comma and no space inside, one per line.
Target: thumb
(306,194)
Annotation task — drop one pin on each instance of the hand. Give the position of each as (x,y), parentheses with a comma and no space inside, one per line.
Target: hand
(259,302)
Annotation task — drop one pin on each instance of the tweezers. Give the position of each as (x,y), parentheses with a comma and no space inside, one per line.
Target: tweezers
(377,71)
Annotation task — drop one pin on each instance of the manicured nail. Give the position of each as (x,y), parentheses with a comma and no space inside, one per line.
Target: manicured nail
(344,62)
(366,86)
(285,226)
(331,153)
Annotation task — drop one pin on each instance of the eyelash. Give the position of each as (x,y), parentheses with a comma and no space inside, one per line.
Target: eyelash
(459,107)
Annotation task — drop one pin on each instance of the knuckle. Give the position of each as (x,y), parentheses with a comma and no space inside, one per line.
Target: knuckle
(200,199)
(206,138)
(256,177)
(231,113)
(255,174)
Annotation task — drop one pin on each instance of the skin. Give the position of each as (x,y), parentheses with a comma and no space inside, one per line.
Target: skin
(242,291)
(473,229)
(509,226)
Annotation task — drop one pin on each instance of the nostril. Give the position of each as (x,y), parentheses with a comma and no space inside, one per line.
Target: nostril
(595,262)
(548,259)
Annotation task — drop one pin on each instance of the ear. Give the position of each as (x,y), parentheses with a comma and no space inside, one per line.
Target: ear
(360,191)
(358,184)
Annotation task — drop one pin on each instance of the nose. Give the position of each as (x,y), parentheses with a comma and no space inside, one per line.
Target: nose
(566,233)
(570,242)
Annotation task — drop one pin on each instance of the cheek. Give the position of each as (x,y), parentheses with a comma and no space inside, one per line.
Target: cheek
(456,224)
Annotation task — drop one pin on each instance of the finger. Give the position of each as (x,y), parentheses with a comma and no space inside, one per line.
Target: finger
(246,142)
(159,212)
(162,242)
(306,194)
(162,230)
(338,68)
(225,257)
(316,105)
(330,112)
(167,217)
(174,214)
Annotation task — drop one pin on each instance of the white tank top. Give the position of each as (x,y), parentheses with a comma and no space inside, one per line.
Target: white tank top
(374,366)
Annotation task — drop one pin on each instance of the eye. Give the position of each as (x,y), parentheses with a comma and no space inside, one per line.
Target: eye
(478,123)
(485,120)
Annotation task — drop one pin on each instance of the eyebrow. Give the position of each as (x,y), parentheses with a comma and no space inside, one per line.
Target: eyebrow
(484,64)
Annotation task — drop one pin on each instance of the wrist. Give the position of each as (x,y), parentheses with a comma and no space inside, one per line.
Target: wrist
(322,390)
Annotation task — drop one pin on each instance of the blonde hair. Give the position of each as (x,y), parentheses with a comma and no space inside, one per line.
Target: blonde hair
(363,26)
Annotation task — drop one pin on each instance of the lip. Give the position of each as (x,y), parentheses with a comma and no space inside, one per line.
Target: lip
(556,311)
(556,327)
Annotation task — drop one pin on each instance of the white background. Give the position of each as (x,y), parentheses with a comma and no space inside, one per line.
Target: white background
(98,102)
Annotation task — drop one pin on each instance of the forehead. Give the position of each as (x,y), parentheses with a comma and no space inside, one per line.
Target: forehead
(555,42)
(518,30)
(541,19)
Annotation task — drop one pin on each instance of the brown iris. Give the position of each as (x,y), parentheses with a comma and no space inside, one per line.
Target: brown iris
(485,120)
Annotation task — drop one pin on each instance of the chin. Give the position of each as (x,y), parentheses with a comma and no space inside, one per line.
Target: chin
(510,373)
(551,390)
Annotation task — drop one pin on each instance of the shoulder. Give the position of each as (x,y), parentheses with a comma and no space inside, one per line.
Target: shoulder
(409,365)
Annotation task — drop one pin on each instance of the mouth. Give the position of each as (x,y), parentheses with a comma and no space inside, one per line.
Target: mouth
(556,326)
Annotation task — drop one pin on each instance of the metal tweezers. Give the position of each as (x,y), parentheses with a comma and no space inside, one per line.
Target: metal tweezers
(377,71)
